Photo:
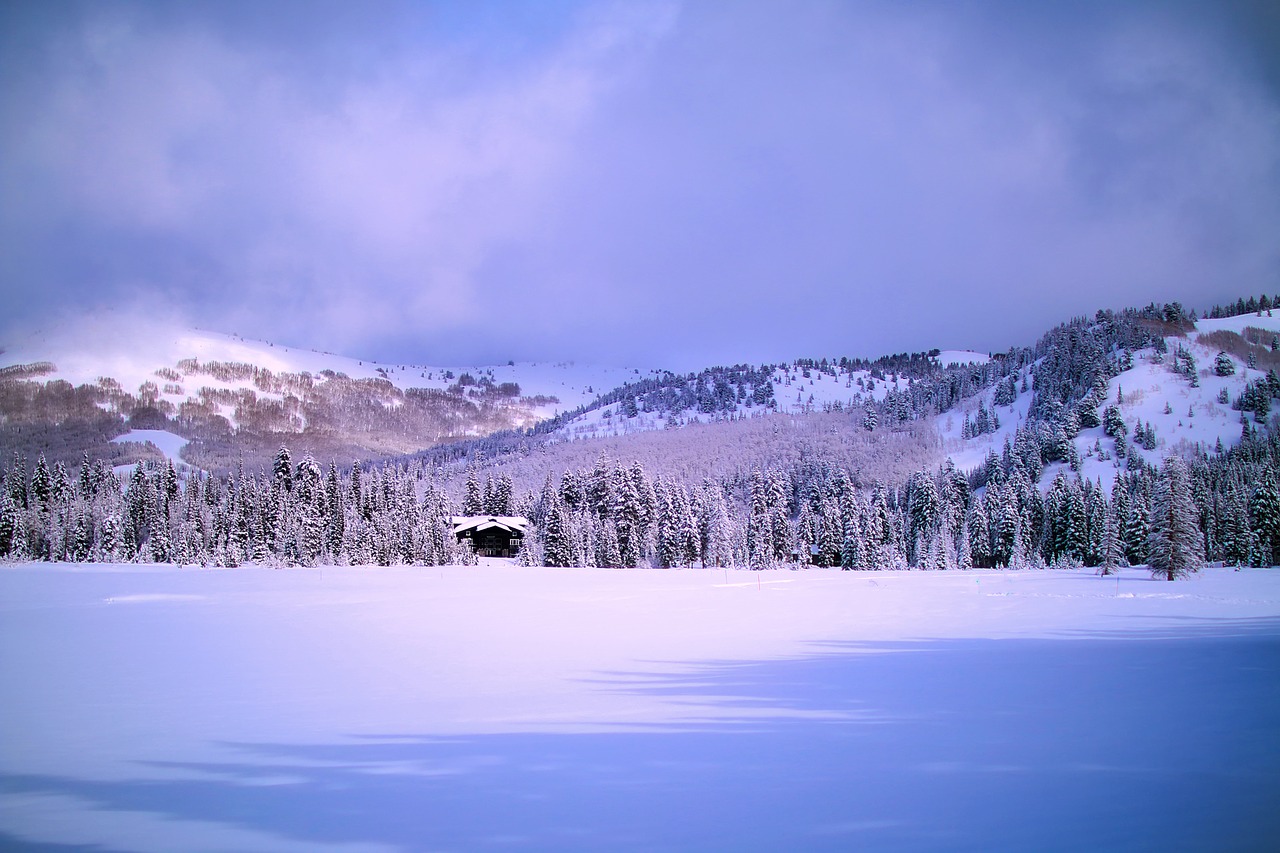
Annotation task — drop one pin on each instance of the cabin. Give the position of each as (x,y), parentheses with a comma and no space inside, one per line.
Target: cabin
(492,535)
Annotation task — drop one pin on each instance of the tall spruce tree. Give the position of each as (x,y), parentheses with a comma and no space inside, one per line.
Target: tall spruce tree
(1264,516)
(1175,546)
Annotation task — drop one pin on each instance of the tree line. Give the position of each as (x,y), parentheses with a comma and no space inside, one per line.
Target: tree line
(1224,507)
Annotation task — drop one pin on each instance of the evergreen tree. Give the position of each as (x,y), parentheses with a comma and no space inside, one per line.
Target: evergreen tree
(502,496)
(333,511)
(1264,516)
(979,535)
(1235,536)
(1096,522)
(491,496)
(924,515)
(282,469)
(1112,544)
(472,503)
(1136,533)
(759,525)
(853,548)
(8,525)
(42,485)
(1175,547)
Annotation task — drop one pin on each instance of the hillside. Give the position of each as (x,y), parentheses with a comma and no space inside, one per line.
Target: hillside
(722,451)
(718,394)
(210,400)
(71,389)
(125,390)
(1150,391)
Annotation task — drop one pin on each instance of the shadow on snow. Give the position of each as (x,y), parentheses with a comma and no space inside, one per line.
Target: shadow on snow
(1017,744)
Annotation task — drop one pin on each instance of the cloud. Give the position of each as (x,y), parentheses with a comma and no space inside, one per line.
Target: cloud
(644,183)
(371,201)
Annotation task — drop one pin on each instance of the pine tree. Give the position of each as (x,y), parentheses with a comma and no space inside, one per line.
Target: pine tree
(759,525)
(1096,522)
(964,557)
(1112,544)
(1175,546)
(979,535)
(924,515)
(1236,535)
(472,503)
(333,511)
(282,469)
(490,499)
(1264,513)
(159,544)
(42,485)
(8,525)
(502,496)
(853,548)
(1135,534)
(608,553)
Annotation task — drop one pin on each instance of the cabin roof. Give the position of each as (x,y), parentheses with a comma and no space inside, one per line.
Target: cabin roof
(510,523)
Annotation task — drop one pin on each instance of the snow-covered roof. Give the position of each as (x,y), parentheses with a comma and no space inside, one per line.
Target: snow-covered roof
(510,523)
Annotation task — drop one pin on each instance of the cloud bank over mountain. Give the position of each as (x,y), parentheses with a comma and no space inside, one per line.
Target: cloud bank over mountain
(650,183)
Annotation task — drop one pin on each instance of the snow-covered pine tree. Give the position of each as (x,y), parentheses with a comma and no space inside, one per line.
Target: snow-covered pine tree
(924,516)
(777,488)
(282,469)
(1223,365)
(1264,517)
(1096,522)
(1175,546)
(502,495)
(759,524)
(1112,544)
(853,548)
(472,501)
(1236,535)
(42,485)
(978,534)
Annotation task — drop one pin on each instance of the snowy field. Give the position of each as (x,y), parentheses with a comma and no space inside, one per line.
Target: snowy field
(501,708)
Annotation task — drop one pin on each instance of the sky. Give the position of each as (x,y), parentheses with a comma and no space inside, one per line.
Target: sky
(656,184)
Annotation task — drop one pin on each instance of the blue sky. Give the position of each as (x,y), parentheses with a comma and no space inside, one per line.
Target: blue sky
(646,183)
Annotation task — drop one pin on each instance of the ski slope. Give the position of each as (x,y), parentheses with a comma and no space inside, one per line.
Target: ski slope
(499,708)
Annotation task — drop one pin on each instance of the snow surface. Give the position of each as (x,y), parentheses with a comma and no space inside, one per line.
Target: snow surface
(166,442)
(949,357)
(496,707)
(1239,323)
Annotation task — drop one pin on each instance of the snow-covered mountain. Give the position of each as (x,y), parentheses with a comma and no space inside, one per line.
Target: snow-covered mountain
(216,387)
(84,353)
(230,397)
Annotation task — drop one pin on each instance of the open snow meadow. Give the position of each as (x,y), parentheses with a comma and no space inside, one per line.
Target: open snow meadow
(158,708)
